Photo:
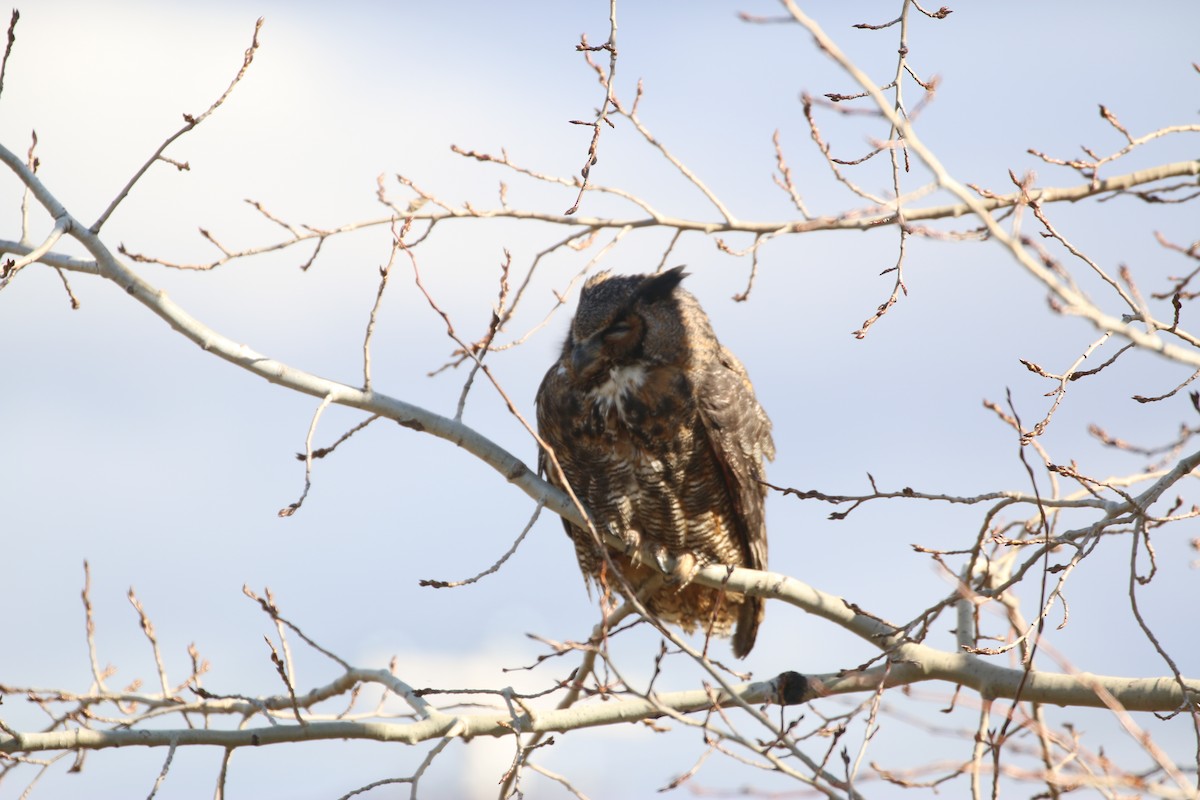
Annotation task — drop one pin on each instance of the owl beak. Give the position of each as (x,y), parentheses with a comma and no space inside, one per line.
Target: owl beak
(583,354)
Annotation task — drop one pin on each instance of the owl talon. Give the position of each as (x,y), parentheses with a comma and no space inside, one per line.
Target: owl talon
(631,538)
(679,570)
(664,562)
(685,568)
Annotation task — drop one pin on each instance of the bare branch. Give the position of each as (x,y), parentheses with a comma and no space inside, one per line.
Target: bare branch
(12,38)
(606,80)
(190,122)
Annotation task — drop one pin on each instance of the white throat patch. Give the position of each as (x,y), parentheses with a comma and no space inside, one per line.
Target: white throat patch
(611,393)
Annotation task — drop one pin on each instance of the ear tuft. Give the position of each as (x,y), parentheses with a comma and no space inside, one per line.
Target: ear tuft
(658,287)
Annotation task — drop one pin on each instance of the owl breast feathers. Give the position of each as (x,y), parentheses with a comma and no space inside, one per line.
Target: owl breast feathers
(658,433)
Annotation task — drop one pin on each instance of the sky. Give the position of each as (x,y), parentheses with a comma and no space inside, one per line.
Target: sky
(163,467)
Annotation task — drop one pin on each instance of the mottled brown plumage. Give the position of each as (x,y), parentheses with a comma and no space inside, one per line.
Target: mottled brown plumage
(658,432)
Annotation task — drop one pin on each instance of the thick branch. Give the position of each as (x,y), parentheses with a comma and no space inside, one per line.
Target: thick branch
(914,663)
(408,415)
(613,712)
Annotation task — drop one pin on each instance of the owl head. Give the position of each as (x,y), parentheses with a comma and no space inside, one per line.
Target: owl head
(626,320)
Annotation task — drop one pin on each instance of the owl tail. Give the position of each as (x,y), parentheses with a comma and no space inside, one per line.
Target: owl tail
(749,616)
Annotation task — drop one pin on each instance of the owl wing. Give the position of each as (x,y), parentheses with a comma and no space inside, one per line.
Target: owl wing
(554,421)
(740,434)
(550,418)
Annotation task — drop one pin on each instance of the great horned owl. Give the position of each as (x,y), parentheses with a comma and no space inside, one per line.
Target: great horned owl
(657,430)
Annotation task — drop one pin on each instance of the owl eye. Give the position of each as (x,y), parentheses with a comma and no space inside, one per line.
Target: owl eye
(617,330)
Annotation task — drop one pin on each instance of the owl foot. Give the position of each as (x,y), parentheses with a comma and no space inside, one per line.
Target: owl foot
(631,537)
(680,569)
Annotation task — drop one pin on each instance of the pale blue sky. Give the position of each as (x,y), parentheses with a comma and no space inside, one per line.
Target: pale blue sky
(125,445)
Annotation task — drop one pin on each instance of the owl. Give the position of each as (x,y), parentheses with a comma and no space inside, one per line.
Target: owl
(658,432)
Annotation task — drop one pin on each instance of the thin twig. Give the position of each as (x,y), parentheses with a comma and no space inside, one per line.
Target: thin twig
(12,37)
(609,101)
(384,273)
(190,122)
(308,456)
(436,584)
